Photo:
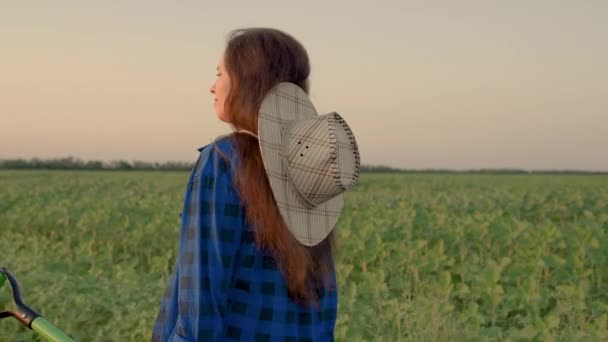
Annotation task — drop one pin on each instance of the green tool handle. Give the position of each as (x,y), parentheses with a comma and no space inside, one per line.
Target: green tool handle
(46,329)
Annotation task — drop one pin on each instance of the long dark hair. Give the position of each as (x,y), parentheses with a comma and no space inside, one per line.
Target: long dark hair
(256,60)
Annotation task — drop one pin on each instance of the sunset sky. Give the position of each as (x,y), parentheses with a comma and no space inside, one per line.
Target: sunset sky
(423,84)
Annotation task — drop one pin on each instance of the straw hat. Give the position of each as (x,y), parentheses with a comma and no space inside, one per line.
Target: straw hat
(310,160)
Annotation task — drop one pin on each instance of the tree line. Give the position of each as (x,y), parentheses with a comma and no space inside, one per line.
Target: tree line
(72,163)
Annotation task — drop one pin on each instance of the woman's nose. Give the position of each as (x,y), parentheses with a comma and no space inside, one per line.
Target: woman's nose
(212,89)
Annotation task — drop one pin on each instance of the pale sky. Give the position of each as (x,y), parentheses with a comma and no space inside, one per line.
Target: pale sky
(425,84)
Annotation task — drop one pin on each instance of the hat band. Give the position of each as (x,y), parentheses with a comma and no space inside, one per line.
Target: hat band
(334,120)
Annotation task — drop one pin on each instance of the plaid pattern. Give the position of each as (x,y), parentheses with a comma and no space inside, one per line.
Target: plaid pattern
(310,160)
(224,287)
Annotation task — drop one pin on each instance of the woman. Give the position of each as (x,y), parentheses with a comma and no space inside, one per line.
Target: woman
(257,245)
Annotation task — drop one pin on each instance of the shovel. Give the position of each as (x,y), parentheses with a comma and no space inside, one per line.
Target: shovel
(26,315)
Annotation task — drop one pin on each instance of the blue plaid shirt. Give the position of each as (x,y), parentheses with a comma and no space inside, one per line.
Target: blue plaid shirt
(223,286)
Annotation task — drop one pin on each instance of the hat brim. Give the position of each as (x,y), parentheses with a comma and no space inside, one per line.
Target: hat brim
(285,103)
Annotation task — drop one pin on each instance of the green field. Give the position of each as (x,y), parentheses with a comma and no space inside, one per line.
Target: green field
(423,257)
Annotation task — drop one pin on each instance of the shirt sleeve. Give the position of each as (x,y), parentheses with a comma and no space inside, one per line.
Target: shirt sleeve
(165,319)
(210,239)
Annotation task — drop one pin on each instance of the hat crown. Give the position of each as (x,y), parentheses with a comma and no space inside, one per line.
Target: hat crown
(321,157)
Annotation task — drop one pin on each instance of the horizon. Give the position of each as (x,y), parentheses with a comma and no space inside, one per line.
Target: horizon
(113,165)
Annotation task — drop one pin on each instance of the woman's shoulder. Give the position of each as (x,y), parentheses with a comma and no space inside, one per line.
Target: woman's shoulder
(223,144)
(217,156)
